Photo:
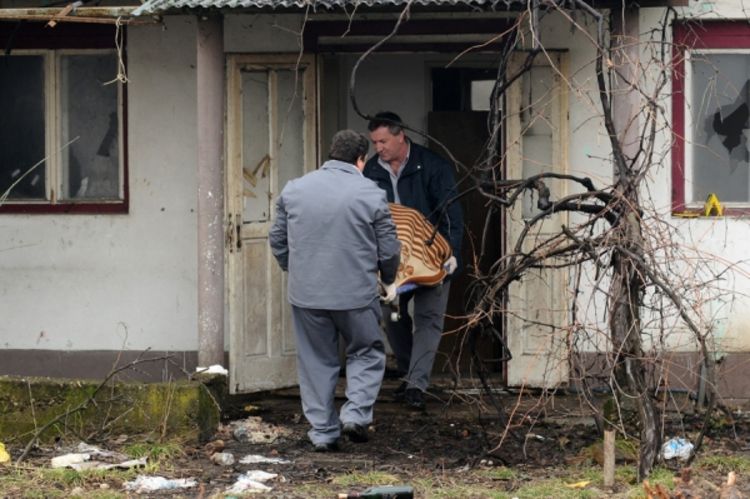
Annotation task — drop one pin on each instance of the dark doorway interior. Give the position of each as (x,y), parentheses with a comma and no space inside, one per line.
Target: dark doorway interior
(459,121)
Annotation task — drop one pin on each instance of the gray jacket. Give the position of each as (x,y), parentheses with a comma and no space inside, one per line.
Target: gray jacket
(333,233)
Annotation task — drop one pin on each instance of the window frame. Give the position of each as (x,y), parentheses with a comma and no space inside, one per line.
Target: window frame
(718,37)
(72,39)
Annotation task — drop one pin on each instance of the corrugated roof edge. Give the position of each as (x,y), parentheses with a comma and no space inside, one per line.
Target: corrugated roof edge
(152,7)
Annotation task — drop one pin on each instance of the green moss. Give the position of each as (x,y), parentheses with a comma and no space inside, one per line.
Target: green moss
(185,409)
(53,483)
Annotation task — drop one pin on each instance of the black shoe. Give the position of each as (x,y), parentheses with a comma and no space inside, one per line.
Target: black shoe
(326,447)
(393,373)
(400,392)
(356,433)
(414,398)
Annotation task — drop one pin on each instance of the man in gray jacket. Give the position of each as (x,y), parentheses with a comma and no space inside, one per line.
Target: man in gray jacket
(333,233)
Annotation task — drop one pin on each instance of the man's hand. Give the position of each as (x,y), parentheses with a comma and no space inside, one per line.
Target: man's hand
(389,292)
(450,265)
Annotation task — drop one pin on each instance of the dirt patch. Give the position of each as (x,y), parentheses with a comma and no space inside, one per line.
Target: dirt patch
(448,451)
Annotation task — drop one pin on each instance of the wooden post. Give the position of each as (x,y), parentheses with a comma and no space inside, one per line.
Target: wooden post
(609,458)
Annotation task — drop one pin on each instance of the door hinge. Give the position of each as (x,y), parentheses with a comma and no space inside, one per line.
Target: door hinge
(229,234)
(238,220)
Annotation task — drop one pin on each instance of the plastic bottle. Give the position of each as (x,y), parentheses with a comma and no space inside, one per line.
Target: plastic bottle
(384,492)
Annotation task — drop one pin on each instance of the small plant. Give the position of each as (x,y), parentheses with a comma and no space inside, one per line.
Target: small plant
(159,455)
(724,464)
(368,478)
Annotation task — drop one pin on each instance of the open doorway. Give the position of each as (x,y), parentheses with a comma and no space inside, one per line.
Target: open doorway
(449,104)
(459,120)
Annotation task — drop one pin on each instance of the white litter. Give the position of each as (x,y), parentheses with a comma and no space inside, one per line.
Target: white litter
(69,459)
(251,482)
(258,459)
(84,448)
(214,369)
(677,448)
(96,465)
(223,458)
(259,475)
(146,483)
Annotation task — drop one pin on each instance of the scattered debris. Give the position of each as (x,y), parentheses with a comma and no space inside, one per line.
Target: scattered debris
(255,431)
(676,448)
(213,447)
(145,483)
(4,456)
(223,458)
(258,459)
(252,481)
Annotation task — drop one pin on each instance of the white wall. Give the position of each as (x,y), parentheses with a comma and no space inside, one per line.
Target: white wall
(715,9)
(717,242)
(706,245)
(262,33)
(388,82)
(85,282)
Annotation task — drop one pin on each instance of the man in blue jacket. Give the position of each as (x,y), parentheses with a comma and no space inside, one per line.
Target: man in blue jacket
(416,177)
(334,233)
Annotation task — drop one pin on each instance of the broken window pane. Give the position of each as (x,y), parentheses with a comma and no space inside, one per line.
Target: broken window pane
(88,107)
(22,128)
(291,135)
(256,154)
(481,91)
(718,110)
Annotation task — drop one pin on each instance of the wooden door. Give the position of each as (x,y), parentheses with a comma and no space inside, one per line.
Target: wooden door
(270,140)
(465,135)
(537,307)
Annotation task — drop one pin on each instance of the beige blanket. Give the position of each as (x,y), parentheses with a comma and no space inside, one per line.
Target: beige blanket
(421,263)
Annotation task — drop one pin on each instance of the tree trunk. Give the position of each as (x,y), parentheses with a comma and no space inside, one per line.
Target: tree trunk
(626,291)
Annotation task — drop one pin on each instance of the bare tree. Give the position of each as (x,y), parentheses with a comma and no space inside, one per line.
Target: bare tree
(619,248)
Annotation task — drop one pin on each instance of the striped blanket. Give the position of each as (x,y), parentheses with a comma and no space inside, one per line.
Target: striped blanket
(421,263)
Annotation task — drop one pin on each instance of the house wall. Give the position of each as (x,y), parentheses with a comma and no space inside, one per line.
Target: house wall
(720,242)
(88,286)
(588,144)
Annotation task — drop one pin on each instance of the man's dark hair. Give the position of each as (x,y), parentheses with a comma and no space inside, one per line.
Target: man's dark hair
(348,146)
(387,119)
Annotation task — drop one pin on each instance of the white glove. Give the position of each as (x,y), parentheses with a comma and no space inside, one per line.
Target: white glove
(389,292)
(450,265)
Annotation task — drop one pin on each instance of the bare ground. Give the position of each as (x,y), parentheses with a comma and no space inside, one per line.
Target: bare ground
(450,450)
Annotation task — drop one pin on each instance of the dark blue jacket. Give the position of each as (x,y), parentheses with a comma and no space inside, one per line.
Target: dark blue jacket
(426,182)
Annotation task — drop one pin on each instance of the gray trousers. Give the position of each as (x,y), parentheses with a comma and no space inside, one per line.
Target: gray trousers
(415,351)
(317,333)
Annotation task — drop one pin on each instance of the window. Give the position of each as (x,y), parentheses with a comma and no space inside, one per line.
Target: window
(61,133)
(711,107)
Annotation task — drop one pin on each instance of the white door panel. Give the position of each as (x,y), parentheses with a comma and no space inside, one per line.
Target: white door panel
(537,134)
